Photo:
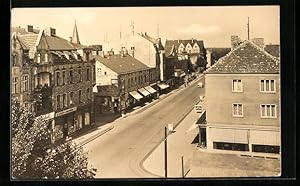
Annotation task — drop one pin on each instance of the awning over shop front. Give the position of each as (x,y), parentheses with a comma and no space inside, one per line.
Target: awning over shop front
(144,92)
(150,89)
(162,85)
(229,135)
(265,137)
(136,95)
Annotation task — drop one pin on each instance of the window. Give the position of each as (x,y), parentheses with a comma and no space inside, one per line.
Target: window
(87,73)
(65,104)
(57,78)
(25,83)
(80,96)
(57,101)
(71,76)
(15,85)
(104,73)
(64,77)
(14,60)
(46,57)
(237,110)
(268,111)
(71,98)
(38,57)
(237,85)
(88,94)
(79,74)
(267,86)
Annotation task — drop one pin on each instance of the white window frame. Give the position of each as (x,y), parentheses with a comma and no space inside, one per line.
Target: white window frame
(265,116)
(237,110)
(232,85)
(264,91)
(38,58)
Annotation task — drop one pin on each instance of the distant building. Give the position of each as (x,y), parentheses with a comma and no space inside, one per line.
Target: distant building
(244,115)
(122,82)
(57,78)
(214,54)
(273,49)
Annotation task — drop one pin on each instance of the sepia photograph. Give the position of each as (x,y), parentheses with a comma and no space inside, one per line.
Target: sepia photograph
(145,92)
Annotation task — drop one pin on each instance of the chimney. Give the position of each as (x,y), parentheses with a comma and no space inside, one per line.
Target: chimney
(70,39)
(235,41)
(52,31)
(29,28)
(259,42)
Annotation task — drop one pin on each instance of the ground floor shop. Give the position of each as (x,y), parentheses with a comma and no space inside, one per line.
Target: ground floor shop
(69,121)
(254,140)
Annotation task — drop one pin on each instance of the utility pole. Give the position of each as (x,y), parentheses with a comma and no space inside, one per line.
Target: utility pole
(182,167)
(248,30)
(166,154)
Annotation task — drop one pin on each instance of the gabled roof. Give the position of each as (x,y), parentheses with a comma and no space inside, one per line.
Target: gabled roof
(169,44)
(121,65)
(246,58)
(58,43)
(272,49)
(29,41)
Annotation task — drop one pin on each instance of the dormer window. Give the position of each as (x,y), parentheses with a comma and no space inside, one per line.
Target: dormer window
(46,57)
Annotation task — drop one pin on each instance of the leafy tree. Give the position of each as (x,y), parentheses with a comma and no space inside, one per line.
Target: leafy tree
(35,157)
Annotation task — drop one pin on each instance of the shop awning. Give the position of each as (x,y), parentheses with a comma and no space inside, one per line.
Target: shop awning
(136,95)
(265,137)
(55,53)
(150,89)
(229,135)
(162,85)
(144,92)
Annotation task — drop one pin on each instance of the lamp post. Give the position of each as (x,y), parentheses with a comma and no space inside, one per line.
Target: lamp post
(166,154)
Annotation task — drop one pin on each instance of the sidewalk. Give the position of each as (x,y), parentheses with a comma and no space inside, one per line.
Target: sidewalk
(179,144)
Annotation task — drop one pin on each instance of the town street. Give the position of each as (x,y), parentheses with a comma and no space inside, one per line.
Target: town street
(120,152)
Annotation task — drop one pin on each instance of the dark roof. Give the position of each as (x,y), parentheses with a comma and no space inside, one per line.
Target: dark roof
(121,65)
(246,58)
(175,43)
(274,50)
(58,43)
(28,40)
(217,53)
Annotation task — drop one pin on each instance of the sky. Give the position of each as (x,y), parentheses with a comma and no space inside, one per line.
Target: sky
(214,25)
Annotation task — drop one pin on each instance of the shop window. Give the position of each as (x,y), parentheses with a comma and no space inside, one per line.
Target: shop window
(266,148)
(230,146)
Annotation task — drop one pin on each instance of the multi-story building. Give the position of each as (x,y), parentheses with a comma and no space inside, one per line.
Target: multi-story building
(122,81)
(60,79)
(245,114)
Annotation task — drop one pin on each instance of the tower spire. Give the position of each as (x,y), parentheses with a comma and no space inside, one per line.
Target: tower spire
(75,37)
(248,29)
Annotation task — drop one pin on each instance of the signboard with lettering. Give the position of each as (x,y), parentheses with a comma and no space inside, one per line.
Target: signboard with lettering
(67,111)
(198,108)
(46,117)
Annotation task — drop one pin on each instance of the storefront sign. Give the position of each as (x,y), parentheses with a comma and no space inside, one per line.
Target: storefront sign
(65,111)
(46,117)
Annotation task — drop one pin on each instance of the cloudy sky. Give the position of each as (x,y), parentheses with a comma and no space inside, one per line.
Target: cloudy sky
(214,24)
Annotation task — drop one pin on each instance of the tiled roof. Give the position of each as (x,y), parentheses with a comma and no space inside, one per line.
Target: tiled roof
(29,41)
(121,65)
(274,50)
(170,43)
(246,58)
(58,43)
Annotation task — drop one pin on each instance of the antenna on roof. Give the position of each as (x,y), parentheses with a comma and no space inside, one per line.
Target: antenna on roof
(132,27)
(248,30)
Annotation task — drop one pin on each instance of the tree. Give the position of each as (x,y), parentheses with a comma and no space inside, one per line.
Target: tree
(35,157)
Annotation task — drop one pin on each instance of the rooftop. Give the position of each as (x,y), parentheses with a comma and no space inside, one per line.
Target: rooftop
(246,58)
(272,49)
(120,64)
(175,44)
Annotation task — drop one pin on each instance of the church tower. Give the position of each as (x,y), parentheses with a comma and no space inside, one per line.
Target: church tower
(75,37)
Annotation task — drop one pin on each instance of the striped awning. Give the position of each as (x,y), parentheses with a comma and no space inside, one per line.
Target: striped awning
(144,92)
(163,85)
(150,89)
(136,95)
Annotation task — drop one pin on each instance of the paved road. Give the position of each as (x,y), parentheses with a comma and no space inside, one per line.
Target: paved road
(120,152)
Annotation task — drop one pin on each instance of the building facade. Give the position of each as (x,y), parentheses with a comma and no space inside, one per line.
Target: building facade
(244,116)
(60,81)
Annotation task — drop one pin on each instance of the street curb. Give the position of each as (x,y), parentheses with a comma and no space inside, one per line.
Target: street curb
(150,152)
(96,135)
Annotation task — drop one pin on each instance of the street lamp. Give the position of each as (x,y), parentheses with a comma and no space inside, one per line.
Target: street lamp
(169,128)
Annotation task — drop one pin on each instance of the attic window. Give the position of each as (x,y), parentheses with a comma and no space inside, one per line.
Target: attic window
(38,58)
